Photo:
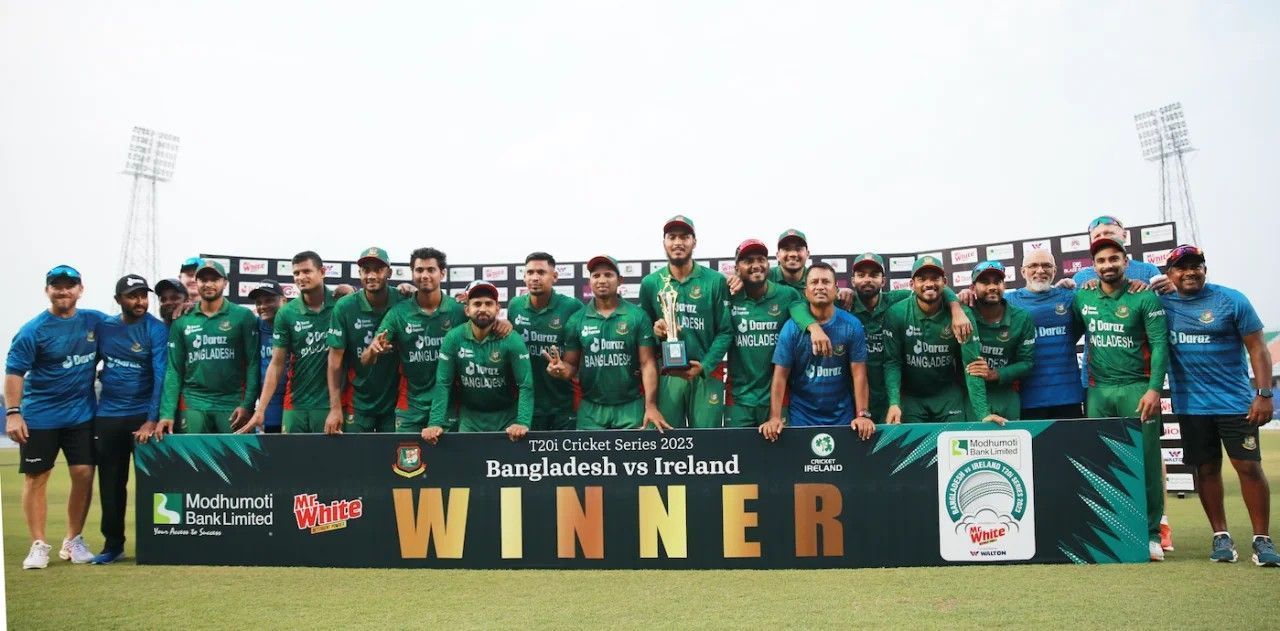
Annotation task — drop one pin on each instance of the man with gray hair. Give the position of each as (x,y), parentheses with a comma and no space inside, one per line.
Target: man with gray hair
(1052,389)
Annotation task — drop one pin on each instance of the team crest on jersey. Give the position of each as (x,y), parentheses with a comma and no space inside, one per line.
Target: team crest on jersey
(555,323)
(714,399)
(495,356)
(1250,443)
(622,328)
(947,333)
(1003,336)
(137,348)
(446,323)
(838,350)
(90,337)
(695,293)
(1061,309)
(225,325)
(774,310)
(1207,317)
(1122,311)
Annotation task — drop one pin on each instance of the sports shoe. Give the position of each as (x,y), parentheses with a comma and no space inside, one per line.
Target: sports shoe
(38,557)
(75,550)
(1224,549)
(107,556)
(1157,553)
(1264,552)
(1166,536)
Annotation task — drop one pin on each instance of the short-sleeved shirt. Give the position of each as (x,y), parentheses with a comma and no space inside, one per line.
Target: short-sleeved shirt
(134,357)
(1208,373)
(821,388)
(304,334)
(1008,345)
(213,360)
(1127,337)
(1055,374)
(775,275)
(417,336)
(1136,270)
(492,374)
(266,329)
(542,329)
(609,363)
(756,326)
(57,358)
(703,300)
(376,388)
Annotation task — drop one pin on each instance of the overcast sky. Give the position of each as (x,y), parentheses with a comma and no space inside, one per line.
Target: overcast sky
(492,129)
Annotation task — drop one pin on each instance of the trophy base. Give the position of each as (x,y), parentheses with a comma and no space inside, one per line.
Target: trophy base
(674,356)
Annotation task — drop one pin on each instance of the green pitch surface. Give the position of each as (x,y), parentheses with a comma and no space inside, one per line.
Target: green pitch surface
(1186,591)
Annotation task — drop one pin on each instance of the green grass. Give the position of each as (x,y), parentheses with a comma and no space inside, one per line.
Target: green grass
(1187,591)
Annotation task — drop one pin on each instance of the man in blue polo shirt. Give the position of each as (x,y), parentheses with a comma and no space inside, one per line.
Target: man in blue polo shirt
(49,398)
(1052,389)
(133,347)
(824,390)
(267,298)
(1216,405)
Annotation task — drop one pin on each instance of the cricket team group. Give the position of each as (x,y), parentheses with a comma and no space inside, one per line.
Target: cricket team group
(767,346)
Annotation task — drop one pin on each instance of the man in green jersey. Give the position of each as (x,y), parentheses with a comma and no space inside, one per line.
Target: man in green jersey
(690,397)
(540,318)
(1008,340)
(298,341)
(923,369)
(213,361)
(1127,355)
(494,387)
(416,328)
(375,384)
(870,305)
(757,314)
(609,347)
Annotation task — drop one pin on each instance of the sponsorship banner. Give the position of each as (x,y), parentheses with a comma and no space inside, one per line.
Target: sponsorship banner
(912,495)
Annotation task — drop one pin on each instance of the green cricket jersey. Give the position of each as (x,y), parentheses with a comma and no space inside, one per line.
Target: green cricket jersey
(609,364)
(703,299)
(1127,339)
(355,321)
(304,334)
(542,329)
(756,324)
(214,361)
(775,275)
(922,356)
(1008,345)
(416,337)
(493,374)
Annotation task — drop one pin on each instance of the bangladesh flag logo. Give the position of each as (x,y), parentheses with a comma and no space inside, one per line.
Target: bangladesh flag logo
(166,509)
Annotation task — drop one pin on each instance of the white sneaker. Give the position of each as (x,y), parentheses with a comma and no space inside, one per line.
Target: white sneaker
(1157,552)
(38,557)
(75,550)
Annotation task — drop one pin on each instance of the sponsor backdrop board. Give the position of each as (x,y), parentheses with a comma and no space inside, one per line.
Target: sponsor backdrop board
(913,495)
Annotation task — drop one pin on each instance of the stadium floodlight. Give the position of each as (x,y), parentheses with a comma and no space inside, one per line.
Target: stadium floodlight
(1164,138)
(152,157)
(152,154)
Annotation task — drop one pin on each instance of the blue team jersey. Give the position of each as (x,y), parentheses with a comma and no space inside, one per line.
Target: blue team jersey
(134,357)
(1055,375)
(275,409)
(821,387)
(57,358)
(1137,270)
(1208,373)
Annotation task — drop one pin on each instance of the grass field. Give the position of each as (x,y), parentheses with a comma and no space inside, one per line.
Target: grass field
(1186,591)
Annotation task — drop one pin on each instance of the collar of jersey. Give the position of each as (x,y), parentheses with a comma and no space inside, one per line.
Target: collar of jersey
(551,302)
(697,271)
(226,306)
(623,307)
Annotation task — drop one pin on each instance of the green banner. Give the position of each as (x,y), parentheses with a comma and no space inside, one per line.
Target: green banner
(912,495)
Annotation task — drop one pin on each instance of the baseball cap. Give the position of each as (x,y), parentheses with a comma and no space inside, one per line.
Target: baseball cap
(792,233)
(376,253)
(926,262)
(213,265)
(131,283)
(603,259)
(988,266)
(267,287)
(869,258)
(1183,253)
(171,283)
(481,288)
(1105,242)
(191,264)
(751,246)
(679,221)
(62,271)
(1104,220)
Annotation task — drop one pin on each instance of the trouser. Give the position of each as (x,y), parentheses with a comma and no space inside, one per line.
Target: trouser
(878,402)
(305,421)
(691,403)
(558,421)
(1004,402)
(113,444)
(486,421)
(1053,412)
(749,415)
(217,421)
(1122,401)
(629,415)
(943,406)
(366,422)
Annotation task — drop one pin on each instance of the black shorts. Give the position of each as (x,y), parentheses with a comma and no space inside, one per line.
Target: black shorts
(41,448)
(1201,436)
(1053,412)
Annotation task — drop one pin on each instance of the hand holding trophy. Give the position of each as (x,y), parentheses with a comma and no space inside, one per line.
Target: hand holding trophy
(674,356)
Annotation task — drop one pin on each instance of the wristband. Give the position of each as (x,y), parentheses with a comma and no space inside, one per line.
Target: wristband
(864,414)
(12,411)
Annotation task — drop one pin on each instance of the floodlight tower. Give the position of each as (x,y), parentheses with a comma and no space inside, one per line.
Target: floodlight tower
(152,156)
(1163,136)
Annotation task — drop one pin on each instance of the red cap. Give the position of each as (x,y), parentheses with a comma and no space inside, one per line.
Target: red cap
(751,246)
(481,288)
(1105,242)
(679,221)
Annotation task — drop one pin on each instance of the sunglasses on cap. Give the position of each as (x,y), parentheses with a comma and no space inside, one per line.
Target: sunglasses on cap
(1105,220)
(63,270)
(1183,251)
(192,263)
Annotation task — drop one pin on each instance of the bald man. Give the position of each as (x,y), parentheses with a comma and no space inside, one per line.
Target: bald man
(1052,390)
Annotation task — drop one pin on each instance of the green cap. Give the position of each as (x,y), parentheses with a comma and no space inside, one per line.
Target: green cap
(376,253)
(213,265)
(926,262)
(869,258)
(603,259)
(792,233)
(679,221)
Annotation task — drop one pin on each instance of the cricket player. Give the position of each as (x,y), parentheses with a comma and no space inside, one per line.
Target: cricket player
(172,295)
(1128,353)
(267,298)
(1217,407)
(540,318)
(375,378)
(690,397)
(1052,389)
(1008,341)
(49,399)
(213,362)
(609,348)
(757,314)
(494,386)
(187,276)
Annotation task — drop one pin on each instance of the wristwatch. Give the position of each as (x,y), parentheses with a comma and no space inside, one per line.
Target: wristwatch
(864,414)
(1264,393)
